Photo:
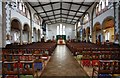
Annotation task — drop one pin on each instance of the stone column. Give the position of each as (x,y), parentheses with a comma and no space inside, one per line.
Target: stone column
(6,28)
(102,35)
(36,35)
(86,35)
(82,33)
(116,23)
(29,36)
(3,24)
(31,30)
(92,36)
(76,30)
(119,22)
(21,37)
(40,34)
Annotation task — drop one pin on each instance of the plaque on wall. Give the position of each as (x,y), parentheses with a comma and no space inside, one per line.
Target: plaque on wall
(8,37)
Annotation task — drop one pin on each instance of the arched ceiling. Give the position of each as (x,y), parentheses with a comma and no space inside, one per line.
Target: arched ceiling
(61,11)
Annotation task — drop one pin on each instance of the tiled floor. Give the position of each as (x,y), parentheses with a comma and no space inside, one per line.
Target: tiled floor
(62,63)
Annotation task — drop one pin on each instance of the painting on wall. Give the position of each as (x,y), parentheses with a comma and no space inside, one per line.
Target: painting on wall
(8,37)
(112,37)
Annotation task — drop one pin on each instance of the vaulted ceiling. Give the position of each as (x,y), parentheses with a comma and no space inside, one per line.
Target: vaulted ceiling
(61,11)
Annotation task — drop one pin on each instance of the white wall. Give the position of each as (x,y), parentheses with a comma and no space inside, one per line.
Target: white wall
(23,20)
(34,39)
(0,31)
(52,30)
(0,23)
(88,24)
(101,17)
(90,10)
(12,13)
(34,25)
(117,18)
(0,7)
(33,34)
(47,36)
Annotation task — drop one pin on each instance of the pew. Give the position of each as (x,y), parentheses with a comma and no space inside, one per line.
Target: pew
(25,59)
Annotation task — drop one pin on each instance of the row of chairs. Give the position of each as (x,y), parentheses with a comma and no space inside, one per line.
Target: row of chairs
(32,47)
(90,54)
(78,48)
(26,59)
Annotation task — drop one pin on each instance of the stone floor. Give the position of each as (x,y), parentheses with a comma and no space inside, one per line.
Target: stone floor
(62,63)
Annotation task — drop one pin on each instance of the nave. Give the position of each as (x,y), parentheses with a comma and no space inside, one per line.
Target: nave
(63,64)
(65,38)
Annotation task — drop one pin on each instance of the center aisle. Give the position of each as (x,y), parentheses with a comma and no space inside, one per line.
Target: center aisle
(62,63)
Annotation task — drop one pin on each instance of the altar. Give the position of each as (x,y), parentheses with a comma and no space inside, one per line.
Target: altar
(61,41)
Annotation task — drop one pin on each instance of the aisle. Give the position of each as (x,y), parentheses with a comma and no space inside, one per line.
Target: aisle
(62,63)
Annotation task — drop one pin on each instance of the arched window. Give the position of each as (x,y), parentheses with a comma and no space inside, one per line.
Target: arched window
(36,19)
(20,5)
(61,29)
(15,36)
(58,30)
(86,18)
(103,4)
(79,24)
(24,8)
(101,7)
(107,35)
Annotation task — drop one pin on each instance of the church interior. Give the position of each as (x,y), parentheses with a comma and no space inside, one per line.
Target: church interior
(60,38)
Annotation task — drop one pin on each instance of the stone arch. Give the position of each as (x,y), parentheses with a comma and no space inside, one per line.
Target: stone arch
(87,30)
(108,22)
(16,28)
(34,34)
(38,34)
(97,32)
(108,29)
(36,18)
(84,34)
(26,31)
(88,25)
(92,26)
(19,22)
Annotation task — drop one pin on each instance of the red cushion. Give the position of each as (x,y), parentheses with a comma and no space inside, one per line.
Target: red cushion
(95,62)
(86,62)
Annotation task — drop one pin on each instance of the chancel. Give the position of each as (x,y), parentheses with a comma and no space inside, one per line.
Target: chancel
(61,39)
